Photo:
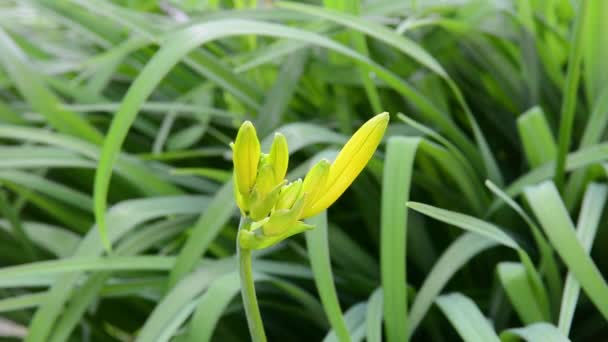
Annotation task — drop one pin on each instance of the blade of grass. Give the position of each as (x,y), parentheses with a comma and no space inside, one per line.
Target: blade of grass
(596,125)
(586,229)
(465,316)
(39,97)
(181,296)
(548,265)
(318,251)
(513,277)
(453,259)
(13,218)
(581,158)
(211,306)
(355,321)
(595,50)
(534,332)
(123,217)
(57,240)
(276,101)
(493,232)
(148,181)
(537,139)
(570,93)
(25,301)
(545,201)
(373,317)
(219,211)
(400,153)
(49,188)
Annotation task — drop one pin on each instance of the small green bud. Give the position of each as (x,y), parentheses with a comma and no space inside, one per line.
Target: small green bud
(289,194)
(283,220)
(262,201)
(265,180)
(279,156)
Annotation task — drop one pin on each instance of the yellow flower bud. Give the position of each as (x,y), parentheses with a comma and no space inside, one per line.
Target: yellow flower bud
(246,156)
(351,160)
(279,156)
(314,183)
(282,220)
(265,180)
(265,193)
(289,194)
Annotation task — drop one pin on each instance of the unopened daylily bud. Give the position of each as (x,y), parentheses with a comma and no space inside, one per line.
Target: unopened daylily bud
(282,220)
(261,203)
(289,194)
(279,156)
(351,160)
(314,183)
(265,180)
(246,156)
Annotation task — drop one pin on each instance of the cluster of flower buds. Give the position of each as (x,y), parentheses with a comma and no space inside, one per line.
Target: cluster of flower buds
(272,208)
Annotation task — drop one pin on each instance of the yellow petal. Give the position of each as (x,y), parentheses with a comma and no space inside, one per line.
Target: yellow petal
(315,183)
(279,156)
(246,156)
(289,194)
(351,160)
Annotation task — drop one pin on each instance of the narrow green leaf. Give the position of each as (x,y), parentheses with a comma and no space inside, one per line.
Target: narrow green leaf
(374,316)
(596,125)
(471,324)
(26,301)
(586,229)
(533,333)
(513,277)
(466,222)
(537,139)
(545,201)
(219,211)
(453,259)
(123,218)
(181,297)
(355,321)
(276,101)
(548,265)
(570,92)
(595,50)
(318,252)
(211,306)
(42,99)
(400,153)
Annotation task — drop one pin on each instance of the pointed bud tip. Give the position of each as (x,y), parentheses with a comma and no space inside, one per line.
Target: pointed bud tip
(384,115)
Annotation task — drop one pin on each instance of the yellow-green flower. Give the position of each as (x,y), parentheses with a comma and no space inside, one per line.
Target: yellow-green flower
(275,209)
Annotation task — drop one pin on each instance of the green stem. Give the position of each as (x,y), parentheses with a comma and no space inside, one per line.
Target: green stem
(250,301)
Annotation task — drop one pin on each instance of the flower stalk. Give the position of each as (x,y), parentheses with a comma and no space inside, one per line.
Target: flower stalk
(250,300)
